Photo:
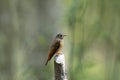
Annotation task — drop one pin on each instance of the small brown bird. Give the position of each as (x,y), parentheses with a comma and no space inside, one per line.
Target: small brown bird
(56,46)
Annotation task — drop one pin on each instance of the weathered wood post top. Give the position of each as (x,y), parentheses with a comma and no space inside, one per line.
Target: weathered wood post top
(59,67)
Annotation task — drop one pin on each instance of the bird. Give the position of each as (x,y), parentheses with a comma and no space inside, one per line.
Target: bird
(56,46)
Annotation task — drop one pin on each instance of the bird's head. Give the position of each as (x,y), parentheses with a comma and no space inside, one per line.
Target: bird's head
(60,36)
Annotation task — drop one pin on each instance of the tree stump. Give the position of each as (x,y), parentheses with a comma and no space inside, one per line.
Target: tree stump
(59,67)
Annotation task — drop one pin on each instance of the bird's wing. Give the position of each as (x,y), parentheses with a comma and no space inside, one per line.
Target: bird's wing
(54,48)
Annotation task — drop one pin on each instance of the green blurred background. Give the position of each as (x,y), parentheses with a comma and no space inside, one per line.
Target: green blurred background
(92,48)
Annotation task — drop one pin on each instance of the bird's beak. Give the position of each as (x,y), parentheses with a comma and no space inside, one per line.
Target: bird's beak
(65,35)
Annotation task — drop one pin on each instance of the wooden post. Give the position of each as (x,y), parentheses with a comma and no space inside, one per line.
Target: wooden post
(59,67)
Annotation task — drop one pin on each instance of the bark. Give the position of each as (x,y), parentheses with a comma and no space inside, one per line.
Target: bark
(59,67)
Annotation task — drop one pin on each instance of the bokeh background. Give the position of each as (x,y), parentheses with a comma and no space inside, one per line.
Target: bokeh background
(92,47)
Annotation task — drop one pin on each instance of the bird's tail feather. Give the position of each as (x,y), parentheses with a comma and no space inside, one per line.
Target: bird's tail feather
(46,63)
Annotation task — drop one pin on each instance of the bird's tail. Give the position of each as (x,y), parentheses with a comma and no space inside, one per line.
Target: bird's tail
(46,63)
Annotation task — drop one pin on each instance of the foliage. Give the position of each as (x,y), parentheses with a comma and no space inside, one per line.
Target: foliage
(91,49)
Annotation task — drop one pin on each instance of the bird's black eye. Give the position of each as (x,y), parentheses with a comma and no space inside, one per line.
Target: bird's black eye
(60,35)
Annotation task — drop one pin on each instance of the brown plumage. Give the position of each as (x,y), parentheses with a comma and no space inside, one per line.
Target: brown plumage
(56,47)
